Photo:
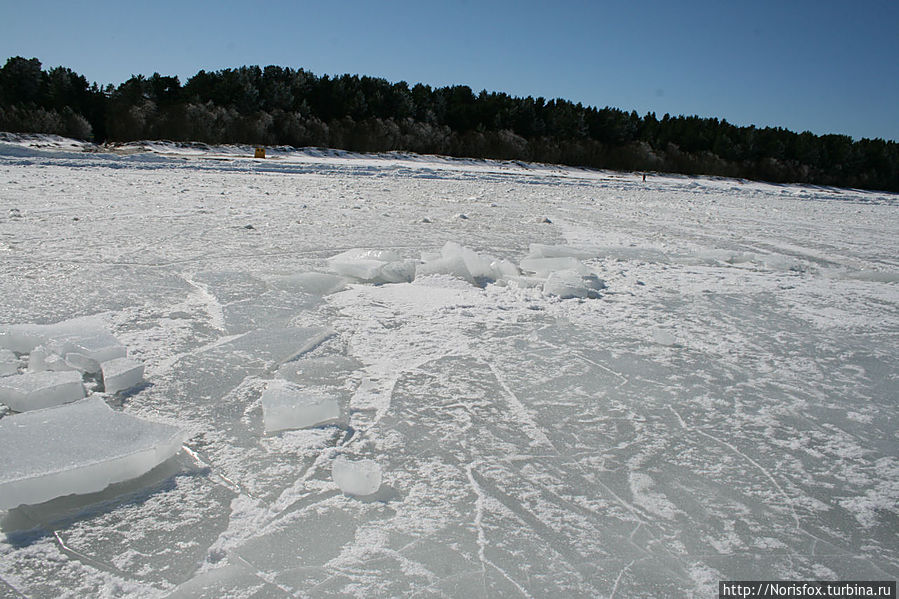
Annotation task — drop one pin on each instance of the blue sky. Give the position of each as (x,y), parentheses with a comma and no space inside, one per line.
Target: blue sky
(824,66)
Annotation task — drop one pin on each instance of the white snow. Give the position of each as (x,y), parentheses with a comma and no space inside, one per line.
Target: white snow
(288,406)
(78,448)
(356,477)
(120,374)
(36,390)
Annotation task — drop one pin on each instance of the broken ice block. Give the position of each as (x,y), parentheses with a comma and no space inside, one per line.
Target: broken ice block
(571,283)
(315,283)
(87,353)
(544,266)
(373,266)
(80,447)
(121,373)
(9,363)
(41,359)
(22,338)
(362,477)
(539,250)
(464,263)
(36,390)
(286,406)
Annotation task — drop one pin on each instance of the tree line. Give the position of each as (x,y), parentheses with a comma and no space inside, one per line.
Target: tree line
(283,106)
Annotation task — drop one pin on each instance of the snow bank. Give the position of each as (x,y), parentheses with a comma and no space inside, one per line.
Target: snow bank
(81,447)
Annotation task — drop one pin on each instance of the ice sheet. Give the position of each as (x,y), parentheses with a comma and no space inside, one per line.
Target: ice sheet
(77,448)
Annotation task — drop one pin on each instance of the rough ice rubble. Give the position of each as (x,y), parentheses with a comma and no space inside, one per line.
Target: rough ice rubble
(558,270)
(358,477)
(59,445)
(287,406)
(58,354)
(81,447)
(373,266)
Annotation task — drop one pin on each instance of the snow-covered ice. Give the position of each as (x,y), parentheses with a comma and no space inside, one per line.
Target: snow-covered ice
(724,409)
(36,390)
(356,477)
(120,374)
(287,406)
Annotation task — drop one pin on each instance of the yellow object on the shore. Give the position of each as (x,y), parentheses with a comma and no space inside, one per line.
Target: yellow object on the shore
(260,153)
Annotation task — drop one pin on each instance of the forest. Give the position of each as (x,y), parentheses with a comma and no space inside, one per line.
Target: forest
(275,106)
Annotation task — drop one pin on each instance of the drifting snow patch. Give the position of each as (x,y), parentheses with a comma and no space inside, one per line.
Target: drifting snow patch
(77,448)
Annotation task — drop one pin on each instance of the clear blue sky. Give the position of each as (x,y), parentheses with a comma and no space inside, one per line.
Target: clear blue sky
(825,66)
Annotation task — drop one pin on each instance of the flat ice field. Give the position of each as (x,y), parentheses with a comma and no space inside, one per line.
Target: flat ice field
(724,408)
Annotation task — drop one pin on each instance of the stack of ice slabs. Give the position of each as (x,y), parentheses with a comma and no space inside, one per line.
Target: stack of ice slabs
(81,447)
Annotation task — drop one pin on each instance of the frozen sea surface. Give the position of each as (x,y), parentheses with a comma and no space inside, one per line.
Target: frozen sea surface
(725,409)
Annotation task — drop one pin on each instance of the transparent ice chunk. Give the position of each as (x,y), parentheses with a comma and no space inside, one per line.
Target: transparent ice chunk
(542,267)
(120,374)
(81,447)
(360,477)
(314,283)
(539,250)
(41,358)
(87,353)
(9,364)
(573,284)
(36,390)
(372,266)
(287,406)
(22,338)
